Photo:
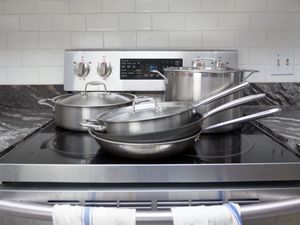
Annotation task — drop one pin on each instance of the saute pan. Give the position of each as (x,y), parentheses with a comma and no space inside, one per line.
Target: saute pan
(168,148)
(185,130)
(154,117)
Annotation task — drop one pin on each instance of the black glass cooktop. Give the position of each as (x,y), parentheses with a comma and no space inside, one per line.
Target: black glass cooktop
(53,145)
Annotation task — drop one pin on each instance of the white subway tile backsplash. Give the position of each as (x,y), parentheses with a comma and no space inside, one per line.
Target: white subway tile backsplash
(251,6)
(23,75)
(20,40)
(214,39)
(2,40)
(120,39)
(259,56)
(86,40)
(283,6)
(250,38)
(36,23)
(282,38)
(3,76)
(185,6)
(153,39)
(54,40)
(118,6)
(168,21)
(218,5)
(102,22)
(52,6)
(69,22)
(186,39)
(201,21)
(52,75)
(19,7)
(152,5)
(37,58)
(243,56)
(10,58)
(234,21)
(87,6)
(275,21)
(59,57)
(137,21)
(9,23)
(35,33)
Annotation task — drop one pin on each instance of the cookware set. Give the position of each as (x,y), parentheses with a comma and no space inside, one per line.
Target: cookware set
(141,127)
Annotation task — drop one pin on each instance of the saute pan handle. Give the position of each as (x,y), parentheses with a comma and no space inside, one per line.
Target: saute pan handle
(45,102)
(93,124)
(243,119)
(251,211)
(222,94)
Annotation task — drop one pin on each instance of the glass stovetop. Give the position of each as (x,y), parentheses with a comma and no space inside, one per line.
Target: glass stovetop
(53,145)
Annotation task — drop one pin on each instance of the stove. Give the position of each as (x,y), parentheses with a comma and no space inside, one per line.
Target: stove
(56,166)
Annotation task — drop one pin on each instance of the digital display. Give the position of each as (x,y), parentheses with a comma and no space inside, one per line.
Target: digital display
(133,69)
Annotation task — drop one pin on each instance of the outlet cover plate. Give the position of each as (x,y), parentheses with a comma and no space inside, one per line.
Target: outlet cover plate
(282,61)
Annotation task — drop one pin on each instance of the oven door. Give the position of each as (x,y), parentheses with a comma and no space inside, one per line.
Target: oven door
(261,203)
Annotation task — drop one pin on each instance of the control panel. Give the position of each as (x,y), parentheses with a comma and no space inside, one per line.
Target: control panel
(130,70)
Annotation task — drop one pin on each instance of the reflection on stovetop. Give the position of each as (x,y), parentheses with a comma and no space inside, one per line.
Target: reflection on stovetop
(53,145)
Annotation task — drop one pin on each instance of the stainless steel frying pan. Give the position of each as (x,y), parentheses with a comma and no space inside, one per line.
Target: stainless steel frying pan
(165,149)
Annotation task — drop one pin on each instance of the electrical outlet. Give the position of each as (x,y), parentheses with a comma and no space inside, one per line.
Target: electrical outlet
(282,61)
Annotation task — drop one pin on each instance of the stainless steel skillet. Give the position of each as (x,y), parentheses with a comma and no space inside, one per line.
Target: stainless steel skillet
(168,148)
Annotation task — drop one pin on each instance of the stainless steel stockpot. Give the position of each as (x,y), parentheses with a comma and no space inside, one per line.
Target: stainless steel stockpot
(206,77)
(70,109)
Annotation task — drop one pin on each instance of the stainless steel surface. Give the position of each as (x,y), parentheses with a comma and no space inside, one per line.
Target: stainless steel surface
(258,210)
(150,150)
(195,84)
(71,109)
(148,118)
(109,60)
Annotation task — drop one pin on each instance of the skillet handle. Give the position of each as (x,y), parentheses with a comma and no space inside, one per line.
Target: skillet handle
(243,119)
(234,103)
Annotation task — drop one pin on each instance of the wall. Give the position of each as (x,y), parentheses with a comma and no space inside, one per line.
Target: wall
(34,33)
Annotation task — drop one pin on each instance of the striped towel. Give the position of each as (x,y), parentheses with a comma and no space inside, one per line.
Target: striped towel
(227,214)
(77,215)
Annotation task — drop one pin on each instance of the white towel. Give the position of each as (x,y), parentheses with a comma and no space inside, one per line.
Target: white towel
(77,215)
(228,214)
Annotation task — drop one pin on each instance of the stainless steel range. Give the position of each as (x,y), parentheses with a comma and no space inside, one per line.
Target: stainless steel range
(55,165)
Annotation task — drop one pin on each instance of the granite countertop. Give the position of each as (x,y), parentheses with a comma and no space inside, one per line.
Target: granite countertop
(17,124)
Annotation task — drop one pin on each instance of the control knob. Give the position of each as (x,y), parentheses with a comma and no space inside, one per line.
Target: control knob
(104,69)
(82,69)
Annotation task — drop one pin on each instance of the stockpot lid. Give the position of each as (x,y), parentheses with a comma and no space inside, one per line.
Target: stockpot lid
(201,70)
(96,99)
(145,111)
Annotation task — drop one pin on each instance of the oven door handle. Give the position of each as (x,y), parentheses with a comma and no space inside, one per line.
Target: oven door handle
(251,211)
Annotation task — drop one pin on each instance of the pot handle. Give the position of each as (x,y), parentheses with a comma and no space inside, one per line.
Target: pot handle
(250,73)
(95,83)
(243,119)
(45,102)
(234,103)
(142,100)
(160,74)
(93,124)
